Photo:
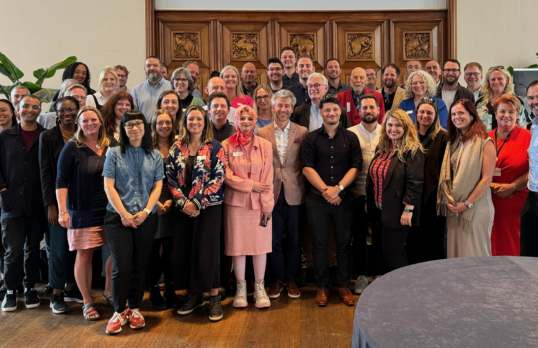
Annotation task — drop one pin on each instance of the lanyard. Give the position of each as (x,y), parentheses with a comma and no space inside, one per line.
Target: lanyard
(505,141)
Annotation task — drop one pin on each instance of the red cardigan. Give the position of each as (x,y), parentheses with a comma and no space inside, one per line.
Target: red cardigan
(347,97)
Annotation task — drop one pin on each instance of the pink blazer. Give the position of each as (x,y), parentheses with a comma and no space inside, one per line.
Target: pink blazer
(289,172)
(238,190)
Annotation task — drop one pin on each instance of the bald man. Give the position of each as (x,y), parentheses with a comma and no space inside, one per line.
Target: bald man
(433,68)
(349,99)
(216,84)
(250,77)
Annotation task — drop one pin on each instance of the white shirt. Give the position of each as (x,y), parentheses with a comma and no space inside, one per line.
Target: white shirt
(315,118)
(448,97)
(47,119)
(281,137)
(368,142)
(100,99)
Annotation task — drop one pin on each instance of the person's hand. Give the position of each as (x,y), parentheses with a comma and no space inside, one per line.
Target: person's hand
(355,193)
(160,208)
(405,219)
(52,215)
(504,191)
(190,208)
(64,220)
(140,217)
(266,215)
(335,201)
(331,193)
(195,214)
(167,206)
(128,220)
(260,187)
(459,207)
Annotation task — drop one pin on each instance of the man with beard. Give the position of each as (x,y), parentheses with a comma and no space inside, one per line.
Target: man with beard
(473,76)
(392,94)
(214,85)
(123,76)
(529,214)
(305,67)
(146,93)
(332,72)
(194,69)
(249,76)
(450,90)
(433,68)
(332,158)
(275,70)
(349,99)
(371,76)
(368,133)
(289,59)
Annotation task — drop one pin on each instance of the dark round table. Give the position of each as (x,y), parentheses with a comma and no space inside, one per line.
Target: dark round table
(467,302)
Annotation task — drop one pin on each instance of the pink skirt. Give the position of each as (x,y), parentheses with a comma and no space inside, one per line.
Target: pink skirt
(86,238)
(243,234)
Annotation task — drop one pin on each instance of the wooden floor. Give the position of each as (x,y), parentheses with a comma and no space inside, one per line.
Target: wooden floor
(288,323)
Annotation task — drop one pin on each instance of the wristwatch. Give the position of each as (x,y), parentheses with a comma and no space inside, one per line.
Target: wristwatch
(407,210)
(468,204)
(147,211)
(341,187)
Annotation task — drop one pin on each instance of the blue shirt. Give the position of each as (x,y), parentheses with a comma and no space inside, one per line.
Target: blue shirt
(135,171)
(533,157)
(145,96)
(408,105)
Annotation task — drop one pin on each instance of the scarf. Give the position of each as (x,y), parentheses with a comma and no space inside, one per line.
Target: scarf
(240,137)
(467,173)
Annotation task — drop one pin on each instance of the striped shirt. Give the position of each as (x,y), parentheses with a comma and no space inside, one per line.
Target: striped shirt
(378,172)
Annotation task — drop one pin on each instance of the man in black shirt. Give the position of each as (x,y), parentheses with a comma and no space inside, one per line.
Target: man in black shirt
(218,107)
(305,67)
(289,59)
(332,158)
(250,78)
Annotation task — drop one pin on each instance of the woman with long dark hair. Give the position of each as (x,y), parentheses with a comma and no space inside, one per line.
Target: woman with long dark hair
(113,112)
(7,115)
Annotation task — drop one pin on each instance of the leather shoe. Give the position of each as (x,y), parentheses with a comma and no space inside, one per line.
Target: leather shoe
(275,290)
(346,296)
(293,290)
(322,297)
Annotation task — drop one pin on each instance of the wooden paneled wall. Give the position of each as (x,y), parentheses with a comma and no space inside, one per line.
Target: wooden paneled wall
(357,38)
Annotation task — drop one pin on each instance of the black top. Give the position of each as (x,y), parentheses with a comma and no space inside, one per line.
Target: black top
(80,170)
(288,82)
(189,166)
(388,99)
(342,87)
(300,93)
(19,174)
(224,132)
(165,192)
(330,157)
(247,91)
(51,144)
(301,116)
(185,103)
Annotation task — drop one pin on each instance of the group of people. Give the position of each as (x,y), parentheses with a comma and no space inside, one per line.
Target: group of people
(168,184)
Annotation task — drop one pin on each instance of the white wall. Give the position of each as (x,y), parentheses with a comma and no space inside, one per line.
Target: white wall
(104,32)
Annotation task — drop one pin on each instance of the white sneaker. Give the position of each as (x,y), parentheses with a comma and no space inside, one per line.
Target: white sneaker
(240,300)
(260,296)
(360,284)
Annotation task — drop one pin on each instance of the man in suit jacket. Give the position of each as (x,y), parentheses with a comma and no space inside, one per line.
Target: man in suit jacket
(392,94)
(349,99)
(286,138)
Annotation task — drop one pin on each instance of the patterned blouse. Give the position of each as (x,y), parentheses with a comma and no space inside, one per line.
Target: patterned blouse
(378,172)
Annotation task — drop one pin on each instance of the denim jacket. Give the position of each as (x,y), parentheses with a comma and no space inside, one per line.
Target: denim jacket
(207,176)
(135,171)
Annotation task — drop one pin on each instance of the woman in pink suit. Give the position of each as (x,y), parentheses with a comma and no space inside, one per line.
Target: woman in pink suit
(248,204)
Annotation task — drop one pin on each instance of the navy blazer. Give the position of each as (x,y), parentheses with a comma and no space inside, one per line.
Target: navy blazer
(403,183)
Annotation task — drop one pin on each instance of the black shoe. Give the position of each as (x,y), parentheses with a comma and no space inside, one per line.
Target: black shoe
(58,305)
(156,299)
(73,295)
(215,308)
(305,277)
(9,304)
(48,289)
(32,299)
(195,300)
(170,297)
(3,290)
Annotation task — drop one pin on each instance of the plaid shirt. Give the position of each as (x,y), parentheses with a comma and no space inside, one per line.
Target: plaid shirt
(378,172)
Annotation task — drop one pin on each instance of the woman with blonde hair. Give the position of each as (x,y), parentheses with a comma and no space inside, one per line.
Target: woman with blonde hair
(234,92)
(394,189)
(496,83)
(108,84)
(262,105)
(82,200)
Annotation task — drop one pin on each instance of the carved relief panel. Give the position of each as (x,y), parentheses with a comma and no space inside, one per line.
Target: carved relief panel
(245,46)
(418,45)
(303,44)
(185,45)
(360,46)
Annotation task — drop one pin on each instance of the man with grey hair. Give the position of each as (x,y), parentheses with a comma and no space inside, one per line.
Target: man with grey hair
(194,69)
(48,119)
(17,93)
(308,114)
(289,190)
(433,68)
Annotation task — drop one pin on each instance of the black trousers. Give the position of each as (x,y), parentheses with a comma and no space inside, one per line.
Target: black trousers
(61,260)
(529,226)
(393,243)
(160,263)
(378,263)
(196,250)
(320,214)
(21,237)
(359,233)
(129,249)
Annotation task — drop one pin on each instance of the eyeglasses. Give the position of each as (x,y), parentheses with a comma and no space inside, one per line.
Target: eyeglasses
(428,101)
(163,123)
(315,85)
(496,67)
(263,97)
(131,125)
(79,97)
(122,76)
(475,74)
(181,79)
(65,111)
(274,69)
(33,107)
(451,70)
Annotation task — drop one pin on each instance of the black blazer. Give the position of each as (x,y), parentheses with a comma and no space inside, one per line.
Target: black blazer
(301,116)
(403,183)
(51,144)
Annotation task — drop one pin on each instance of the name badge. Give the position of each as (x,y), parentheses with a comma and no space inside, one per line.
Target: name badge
(200,158)
(348,107)
(235,154)
(497,172)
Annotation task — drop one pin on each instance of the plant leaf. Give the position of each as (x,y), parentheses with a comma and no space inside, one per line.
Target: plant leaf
(31,86)
(4,71)
(16,74)
(45,94)
(52,69)
(510,70)
(38,73)
(5,90)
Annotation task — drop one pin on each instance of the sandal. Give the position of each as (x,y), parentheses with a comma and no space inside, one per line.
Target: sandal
(107,300)
(90,313)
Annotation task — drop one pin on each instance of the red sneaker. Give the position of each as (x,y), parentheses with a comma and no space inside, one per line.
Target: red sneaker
(136,319)
(116,322)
